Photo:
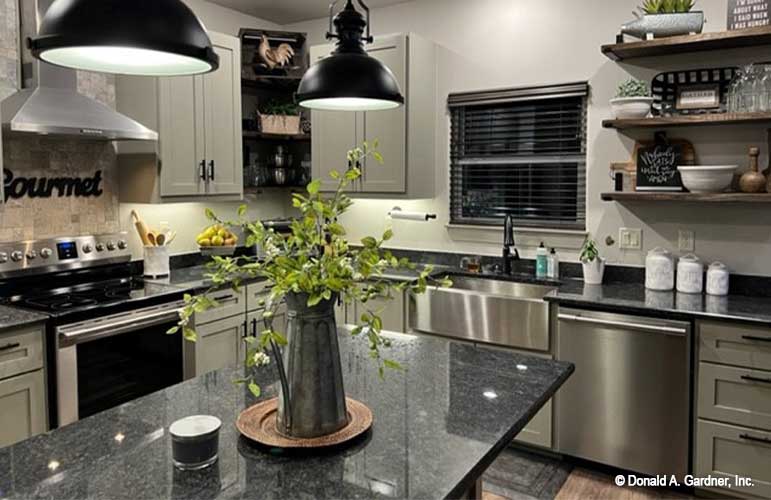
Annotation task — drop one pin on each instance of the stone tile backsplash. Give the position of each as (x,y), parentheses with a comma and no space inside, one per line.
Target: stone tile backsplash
(37,157)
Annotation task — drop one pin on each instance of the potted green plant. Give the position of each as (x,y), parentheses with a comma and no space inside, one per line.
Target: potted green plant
(280,118)
(593,264)
(632,100)
(662,18)
(311,269)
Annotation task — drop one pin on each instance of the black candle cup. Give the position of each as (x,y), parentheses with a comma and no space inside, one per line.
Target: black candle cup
(195,441)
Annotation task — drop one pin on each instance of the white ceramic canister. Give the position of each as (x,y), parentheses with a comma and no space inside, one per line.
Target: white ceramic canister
(157,262)
(717,279)
(690,275)
(660,270)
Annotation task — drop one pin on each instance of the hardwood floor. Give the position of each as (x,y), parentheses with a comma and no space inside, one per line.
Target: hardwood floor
(583,484)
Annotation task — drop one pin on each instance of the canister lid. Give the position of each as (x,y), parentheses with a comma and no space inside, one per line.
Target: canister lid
(194,426)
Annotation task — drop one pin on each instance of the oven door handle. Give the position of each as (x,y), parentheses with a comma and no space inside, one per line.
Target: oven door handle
(118,326)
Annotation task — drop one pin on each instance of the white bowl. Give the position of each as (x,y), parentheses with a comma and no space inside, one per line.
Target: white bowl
(707,179)
(630,108)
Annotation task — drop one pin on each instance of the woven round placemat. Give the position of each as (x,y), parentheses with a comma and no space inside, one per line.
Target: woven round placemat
(258,423)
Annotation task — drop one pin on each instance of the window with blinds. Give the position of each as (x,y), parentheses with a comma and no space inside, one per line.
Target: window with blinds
(520,152)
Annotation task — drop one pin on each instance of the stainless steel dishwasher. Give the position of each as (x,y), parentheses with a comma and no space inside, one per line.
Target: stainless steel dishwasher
(628,403)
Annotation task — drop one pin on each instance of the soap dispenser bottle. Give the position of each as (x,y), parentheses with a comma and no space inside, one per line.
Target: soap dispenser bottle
(541,262)
(553,268)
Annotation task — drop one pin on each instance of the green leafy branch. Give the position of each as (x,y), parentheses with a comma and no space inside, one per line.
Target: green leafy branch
(316,259)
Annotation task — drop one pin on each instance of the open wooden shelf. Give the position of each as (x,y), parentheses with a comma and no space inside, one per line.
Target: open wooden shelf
(750,37)
(687,197)
(690,121)
(249,134)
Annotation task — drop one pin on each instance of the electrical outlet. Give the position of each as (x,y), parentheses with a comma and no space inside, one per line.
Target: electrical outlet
(630,239)
(686,241)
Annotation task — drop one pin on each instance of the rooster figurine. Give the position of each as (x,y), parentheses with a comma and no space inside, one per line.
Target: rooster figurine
(275,58)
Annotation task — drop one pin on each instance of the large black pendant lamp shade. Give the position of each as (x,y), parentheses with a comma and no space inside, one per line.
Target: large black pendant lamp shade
(132,37)
(349,79)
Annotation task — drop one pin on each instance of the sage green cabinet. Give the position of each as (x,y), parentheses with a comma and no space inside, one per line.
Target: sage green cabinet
(391,311)
(198,119)
(218,344)
(22,407)
(22,384)
(406,135)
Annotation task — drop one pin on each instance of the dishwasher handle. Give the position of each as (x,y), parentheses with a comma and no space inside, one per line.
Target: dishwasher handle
(643,327)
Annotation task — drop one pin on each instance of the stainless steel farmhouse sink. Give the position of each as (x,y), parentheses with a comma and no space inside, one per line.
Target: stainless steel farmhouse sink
(486,310)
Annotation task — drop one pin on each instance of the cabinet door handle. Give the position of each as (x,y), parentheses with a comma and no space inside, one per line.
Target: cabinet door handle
(245,327)
(211,170)
(8,347)
(254,327)
(756,379)
(202,170)
(747,437)
(756,339)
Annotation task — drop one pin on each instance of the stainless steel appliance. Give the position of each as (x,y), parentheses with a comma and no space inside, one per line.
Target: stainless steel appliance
(485,310)
(628,403)
(105,337)
(49,102)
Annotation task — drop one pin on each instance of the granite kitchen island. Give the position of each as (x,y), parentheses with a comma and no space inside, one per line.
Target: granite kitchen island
(438,426)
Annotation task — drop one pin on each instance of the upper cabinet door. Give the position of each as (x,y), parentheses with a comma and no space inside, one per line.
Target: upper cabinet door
(181,133)
(333,134)
(389,128)
(222,119)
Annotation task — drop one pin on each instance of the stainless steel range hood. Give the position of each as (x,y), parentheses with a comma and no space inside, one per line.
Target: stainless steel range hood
(49,102)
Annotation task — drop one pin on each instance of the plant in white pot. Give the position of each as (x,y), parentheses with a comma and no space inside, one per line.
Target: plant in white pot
(593,264)
(632,100)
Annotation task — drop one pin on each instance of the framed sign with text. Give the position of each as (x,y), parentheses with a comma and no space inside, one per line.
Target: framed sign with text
(748,14)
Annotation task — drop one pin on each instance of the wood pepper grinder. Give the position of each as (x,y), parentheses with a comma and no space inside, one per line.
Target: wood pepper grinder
(753,181)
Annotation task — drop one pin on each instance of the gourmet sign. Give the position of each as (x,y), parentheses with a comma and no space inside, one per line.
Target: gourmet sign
(47,187)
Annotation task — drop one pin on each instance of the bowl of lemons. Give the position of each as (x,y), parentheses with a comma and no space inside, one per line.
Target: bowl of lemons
(217,240)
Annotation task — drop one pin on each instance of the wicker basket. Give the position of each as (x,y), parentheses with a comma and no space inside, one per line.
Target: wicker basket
(280,124)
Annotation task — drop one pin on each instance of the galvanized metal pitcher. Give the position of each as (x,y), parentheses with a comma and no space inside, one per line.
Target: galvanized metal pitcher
(312,399)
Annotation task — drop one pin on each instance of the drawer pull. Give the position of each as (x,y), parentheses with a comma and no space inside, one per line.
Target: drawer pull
(8,347)
(756,379)
(756,339)
(747,437)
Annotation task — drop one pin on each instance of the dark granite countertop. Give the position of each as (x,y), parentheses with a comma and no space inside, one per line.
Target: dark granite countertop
(12,317)
(190,279)
(634,298)
(438,425)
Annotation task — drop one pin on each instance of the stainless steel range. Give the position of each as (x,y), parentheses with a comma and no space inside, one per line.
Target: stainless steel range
(105,341)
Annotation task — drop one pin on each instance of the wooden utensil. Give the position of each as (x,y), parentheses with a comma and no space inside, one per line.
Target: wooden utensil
(141,227)
(170,237)
(753,181)
(160,240)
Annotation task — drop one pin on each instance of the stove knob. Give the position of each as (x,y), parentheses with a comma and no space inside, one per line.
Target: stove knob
(3,257)
(46,253)
(122,244)
(111,245)
(100,247)
(31,255)
(16,256)
(87,248)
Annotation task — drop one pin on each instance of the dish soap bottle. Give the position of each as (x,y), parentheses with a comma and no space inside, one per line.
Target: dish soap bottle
(541,262)
(553,268)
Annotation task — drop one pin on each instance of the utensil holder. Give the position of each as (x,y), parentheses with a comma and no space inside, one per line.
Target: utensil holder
(156,262)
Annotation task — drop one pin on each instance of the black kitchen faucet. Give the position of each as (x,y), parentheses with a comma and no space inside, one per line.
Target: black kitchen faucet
(508,245)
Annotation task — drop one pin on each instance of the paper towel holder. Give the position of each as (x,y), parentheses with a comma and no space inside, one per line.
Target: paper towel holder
(397,213)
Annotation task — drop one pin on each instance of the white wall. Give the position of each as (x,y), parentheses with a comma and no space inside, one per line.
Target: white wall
(507,43)
(188,218)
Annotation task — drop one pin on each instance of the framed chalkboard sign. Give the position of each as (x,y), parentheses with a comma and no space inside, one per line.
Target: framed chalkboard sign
(657,164)
(748,14)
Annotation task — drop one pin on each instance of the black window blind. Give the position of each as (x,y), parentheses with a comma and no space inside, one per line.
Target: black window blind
(520,152)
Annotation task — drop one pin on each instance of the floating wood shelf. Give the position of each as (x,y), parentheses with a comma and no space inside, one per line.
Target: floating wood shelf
(248,134)
(690,121)
(687,197)
(750,37)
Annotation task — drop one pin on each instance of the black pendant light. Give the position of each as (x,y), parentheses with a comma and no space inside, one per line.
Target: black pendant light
(349,79)
(133,37)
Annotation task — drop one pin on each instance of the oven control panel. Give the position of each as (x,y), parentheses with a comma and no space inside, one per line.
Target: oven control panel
(63,253)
